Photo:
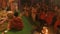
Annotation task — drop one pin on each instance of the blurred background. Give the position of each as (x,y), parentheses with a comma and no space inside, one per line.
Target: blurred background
(35,15)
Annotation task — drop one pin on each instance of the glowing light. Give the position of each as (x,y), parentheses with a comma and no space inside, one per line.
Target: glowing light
(45,30)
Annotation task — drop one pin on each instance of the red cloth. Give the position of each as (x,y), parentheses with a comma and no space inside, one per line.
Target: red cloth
(42,15)
(16,23)
(57,23)
(49,18)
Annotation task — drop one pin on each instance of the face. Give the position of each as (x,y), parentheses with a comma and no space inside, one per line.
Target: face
(10,15)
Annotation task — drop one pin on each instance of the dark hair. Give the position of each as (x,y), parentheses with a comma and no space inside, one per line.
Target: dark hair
(8,8)
(15,14)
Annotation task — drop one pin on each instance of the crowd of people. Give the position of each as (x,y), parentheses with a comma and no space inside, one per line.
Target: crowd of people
(43,13)
(46,14)
(9,16)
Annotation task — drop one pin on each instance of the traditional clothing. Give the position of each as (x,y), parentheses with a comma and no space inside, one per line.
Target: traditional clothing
(16,24)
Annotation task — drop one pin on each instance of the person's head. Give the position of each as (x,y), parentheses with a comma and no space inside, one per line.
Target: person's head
(16,14)
(10,14)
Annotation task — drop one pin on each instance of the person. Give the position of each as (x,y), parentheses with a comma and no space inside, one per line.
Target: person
(42,17)
(4,4)
(26,10)
(33,13)
(19,21)
(14,22)
(49,17)
(7,19)
(57,23)
(11,4)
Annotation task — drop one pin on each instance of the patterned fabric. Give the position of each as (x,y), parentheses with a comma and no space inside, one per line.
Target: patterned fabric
(16,24)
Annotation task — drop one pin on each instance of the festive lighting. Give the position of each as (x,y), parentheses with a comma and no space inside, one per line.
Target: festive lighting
(45,30)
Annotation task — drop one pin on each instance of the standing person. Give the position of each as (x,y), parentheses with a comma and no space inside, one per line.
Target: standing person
(33,13)
(38,10)
(26,10)
(4,4)
(11,3)
(42,17)
(57,23)
(49,17)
